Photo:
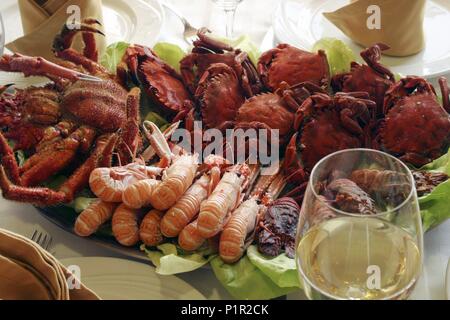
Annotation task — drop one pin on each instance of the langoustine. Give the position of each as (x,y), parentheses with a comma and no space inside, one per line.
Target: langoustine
(188,206)
(96,214)
(240,231)
(216,210)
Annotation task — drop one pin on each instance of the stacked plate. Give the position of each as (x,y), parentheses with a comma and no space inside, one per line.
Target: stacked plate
(27,272)
(301,23)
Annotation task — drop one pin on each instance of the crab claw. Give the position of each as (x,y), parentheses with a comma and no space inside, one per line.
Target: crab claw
(65,38)
(445,93)
(291,167)
(37,196)
(159,142)
(5,87)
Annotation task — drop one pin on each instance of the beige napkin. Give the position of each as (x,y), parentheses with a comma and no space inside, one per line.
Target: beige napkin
(41,23)
(31,259)
(401,24)
(18,283)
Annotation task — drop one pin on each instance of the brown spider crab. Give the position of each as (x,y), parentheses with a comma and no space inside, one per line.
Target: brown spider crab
(80,119)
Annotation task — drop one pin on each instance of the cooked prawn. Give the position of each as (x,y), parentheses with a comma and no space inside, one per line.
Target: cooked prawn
(225,198)
(125,225)
(149,231)
(189,238)
(175,181)
(137,195)
(188,206)
(96,214)
(108,184)
(239,232)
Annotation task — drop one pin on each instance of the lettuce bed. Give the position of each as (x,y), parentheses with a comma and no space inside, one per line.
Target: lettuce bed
(256,276)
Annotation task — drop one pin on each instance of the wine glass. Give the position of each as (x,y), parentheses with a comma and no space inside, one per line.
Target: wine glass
(360,230)
(229,6)
(2,35)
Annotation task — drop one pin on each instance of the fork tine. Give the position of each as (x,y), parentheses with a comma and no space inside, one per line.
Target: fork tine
(39,238)
(33,237)
(50,240)
(44,242)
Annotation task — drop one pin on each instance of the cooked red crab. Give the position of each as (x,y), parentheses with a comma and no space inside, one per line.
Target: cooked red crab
(416,128)
(328,124)
(72,113)
(219,95)
(275,110)
(161,82)
(208,51)
(372,77)
(289,64)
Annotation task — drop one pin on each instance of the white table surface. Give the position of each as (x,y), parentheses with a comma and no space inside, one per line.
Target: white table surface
(254,18)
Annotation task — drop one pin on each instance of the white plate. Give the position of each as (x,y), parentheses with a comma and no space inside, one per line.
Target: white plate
(118,279)
(134,21)
(447,281)
(301,23)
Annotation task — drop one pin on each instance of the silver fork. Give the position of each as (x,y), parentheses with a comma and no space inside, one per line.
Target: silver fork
(190,32)
(42,238)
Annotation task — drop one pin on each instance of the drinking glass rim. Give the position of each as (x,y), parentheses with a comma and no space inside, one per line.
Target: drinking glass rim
(352,214)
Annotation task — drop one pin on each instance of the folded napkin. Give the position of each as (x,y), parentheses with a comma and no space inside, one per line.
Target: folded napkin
(42,20)
(401,24)
(29,272)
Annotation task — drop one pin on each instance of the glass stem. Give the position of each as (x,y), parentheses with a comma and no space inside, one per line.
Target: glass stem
(230,14)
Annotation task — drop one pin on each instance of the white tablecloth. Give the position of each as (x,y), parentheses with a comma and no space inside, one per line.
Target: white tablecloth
(254,18)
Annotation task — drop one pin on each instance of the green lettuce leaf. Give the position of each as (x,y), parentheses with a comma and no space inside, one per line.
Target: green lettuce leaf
(168,260)
(281,270)
(435,207)
(339,55)
(243,280)
(113,55)
(441,164)
(81,203)
(170,54)
(156,119)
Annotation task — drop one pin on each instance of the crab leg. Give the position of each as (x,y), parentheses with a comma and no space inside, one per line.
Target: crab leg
(445,93)
(80,178)
(89,58)
(56,158)
(129,143)
(9,160)
(37,196)
(36,66)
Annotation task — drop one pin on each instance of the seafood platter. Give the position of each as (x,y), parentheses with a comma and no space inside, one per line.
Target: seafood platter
(99,158)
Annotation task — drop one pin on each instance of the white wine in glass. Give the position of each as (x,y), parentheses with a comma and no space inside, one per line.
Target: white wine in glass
(375,253)
(229,7)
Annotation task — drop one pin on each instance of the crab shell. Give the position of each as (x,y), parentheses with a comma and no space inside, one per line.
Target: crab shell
(267,110)
(323,130)
(101,105)
(289,64)
(219,95)
(418,115)
(372,77)
(161,82)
